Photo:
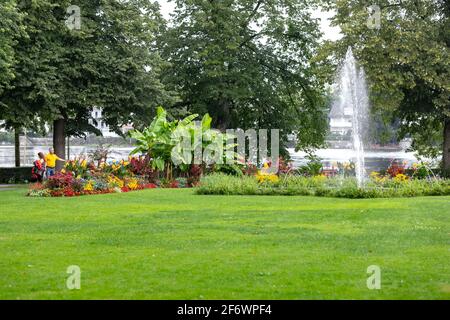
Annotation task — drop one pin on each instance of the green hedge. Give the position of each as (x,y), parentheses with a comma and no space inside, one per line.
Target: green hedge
(219,184)
(15,175)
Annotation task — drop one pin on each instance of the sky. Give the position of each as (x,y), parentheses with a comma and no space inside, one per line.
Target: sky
(330,33)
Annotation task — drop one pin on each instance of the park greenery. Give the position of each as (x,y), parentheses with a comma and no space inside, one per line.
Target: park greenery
(298,185)
(245,62)
(294,233)
(164,143)
(60,74)
(172,244)
(164,160)
(407,61)
(249,65)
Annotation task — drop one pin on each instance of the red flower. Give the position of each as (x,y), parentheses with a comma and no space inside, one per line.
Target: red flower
(56,193)
(68,192)
(396,168)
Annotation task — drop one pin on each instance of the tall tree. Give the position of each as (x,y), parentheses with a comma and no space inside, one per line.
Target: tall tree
(407,59)
(66,68)
(11,29)
(248,64)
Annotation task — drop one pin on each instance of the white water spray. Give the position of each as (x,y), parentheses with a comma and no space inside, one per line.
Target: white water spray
(352,94)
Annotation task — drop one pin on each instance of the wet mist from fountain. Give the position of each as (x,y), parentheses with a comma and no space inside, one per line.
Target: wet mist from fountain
(352,94)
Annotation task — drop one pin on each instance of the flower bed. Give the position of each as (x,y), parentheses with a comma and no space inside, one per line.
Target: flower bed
(66,185)
(396,181)
(80,177)
(320,185)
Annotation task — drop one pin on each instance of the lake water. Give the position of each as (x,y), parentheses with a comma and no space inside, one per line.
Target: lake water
(27,158)
(375,160)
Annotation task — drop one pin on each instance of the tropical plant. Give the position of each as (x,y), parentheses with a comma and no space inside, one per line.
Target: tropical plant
(313,167)
(177,143)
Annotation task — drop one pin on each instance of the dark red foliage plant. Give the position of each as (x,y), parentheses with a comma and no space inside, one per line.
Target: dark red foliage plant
(194,175)
(60,181)
(249,169)
(140,166)
(396,168)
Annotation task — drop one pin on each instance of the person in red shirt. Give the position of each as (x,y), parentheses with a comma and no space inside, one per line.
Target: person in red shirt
(37,173)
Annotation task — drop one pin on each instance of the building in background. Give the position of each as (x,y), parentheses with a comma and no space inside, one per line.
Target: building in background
(340,120)
(98,122)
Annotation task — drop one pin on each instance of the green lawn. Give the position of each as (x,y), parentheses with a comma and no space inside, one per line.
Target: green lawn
(172,244)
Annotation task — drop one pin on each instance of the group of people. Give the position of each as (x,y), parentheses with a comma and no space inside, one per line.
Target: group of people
(45,166)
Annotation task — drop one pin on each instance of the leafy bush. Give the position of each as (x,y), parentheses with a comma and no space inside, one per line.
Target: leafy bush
(322,186)
(15,175)
(232,169)
(163,143)
(59,181)
(225,184)
(312,168)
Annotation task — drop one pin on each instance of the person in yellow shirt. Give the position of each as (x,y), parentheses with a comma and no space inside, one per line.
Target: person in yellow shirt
(50,161)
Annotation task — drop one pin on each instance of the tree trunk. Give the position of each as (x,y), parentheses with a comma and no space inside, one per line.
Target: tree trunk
(222,113)
(446,150)
(68,149)
(17,146)
(59,141)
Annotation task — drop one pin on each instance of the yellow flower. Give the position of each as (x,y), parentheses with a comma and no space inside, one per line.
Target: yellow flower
(133,184)
(400,177)
(115,182)
(63,170)
(262,177)
(377,177)
(89,186)
(319,178)
(374,175)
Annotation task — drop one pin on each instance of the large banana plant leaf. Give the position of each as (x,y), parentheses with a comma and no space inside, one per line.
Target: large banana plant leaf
(161,140)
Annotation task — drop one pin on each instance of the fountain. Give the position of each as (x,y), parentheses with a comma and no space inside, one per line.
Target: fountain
(351,106)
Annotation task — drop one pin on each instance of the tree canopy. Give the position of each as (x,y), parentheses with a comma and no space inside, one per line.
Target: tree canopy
(10,29)
(62,73)
(248,64)
(407,60)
